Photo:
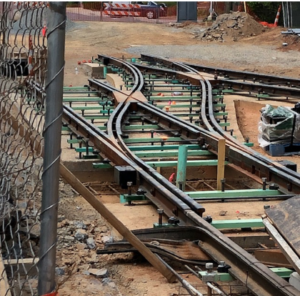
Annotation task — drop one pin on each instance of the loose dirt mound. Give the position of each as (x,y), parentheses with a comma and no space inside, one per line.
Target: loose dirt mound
(232,27)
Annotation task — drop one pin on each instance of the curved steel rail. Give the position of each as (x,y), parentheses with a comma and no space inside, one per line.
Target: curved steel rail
(238,154)
(259,279)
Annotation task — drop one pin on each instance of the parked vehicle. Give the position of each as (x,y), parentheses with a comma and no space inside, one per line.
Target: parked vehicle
(150,9)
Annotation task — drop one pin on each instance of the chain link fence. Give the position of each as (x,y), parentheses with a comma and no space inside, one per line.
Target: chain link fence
(23,69)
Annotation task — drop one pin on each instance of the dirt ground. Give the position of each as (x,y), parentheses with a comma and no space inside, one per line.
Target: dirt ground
(128,274)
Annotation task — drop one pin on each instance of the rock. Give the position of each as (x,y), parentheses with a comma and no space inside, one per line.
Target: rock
(217,35)
(79,225)
(105,281)
(231,24)
(112,285)
(69,238)
(84,267)
(92,259)
(107,239)
(59,271)
(90,243)
(171,25)
(83,253)
(85,272)
(81,235)
(63,223)
(67,261)
(103,229)
(60,218)
(99,273)
(109,282)
(80,246)
(222,213)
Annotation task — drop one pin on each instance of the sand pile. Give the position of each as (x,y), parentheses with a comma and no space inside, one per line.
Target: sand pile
(232,27)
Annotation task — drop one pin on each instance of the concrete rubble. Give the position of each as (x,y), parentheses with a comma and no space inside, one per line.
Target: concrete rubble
(231,27)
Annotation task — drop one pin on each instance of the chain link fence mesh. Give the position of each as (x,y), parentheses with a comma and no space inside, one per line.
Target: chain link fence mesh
(23,58)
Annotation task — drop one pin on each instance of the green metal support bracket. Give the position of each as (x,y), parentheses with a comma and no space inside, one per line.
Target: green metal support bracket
(147,140)
(83,149)
(224,124)
(175,98)
(282,271)
(74,141)
(217,276)
(102,128)
(140,127)
(97,165)
(226,277)
(174,153)
(124,198)
(231,194)
(248,144)
(238,224)
(162,148)
(263,96)
(181,167)
(173,163)
(225,91)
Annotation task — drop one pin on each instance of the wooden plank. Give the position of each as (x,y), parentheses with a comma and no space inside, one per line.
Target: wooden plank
(273,257)
(125,96)
(115,222)
(289,253)
(221,162)
(3,280)
(23,265)
(285,217)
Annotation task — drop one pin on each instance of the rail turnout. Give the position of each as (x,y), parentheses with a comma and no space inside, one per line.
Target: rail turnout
(163,128)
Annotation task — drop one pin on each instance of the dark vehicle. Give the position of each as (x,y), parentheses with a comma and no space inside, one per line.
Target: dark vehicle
(151,10)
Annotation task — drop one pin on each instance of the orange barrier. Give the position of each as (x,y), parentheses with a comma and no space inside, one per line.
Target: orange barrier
(121,13)
(268,25)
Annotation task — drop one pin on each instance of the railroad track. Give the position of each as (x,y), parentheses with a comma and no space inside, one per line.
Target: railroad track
(166,114)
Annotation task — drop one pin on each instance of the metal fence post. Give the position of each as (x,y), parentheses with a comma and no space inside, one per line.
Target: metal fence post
(52,135)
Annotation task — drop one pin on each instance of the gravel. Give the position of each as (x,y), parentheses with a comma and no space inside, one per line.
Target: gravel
(238,54)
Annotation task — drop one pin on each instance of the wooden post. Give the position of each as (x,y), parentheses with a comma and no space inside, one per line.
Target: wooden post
(116,223)
(221,162)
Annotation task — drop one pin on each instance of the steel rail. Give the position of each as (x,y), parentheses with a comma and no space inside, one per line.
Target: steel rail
(117,117)
(157,193)
(238,154)
(258,277)
(244,75)
(233,74)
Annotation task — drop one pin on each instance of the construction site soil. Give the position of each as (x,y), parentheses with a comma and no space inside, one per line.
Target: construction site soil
(80,271)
